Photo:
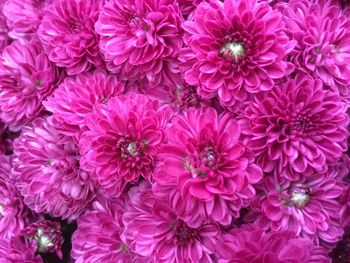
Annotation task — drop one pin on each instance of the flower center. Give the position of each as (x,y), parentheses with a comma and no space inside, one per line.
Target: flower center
(130,149)
(233,50)
(183,233)
(75,27)
(2,211)
(299,195)
(44,242)
(124,248)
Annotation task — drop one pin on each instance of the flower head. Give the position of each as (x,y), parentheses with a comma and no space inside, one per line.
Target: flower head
(235,48)
(48,174)
(76,97)
(67,33)
(26,79)
(153,229)
(122,140)
(207,172)
(297,128)
(141,37)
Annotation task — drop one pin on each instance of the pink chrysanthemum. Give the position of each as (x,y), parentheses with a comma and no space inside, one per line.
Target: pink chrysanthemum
(154,230)
(15,251)
(207,172)
(141,37)
(250,244)
(13,214)
(235,48)
(76,97)
(24,16)
(48,174)
(45,235)
(309,207)
(26,78)
(321,31)
(99,235)
(122,140)
(67,33)
(297,128)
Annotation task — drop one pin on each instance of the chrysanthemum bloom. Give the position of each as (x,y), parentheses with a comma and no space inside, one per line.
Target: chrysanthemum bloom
(207,171)
(26,78)
(122,140)
(67,33)
(235,48)
(309,207)
(141,37)
(15,251)
(251,244)
(13,213)
(45,235)
(76,97)
(24,16)
(297,128)
(154,230)
(48,174)
(323,50)
(99,235)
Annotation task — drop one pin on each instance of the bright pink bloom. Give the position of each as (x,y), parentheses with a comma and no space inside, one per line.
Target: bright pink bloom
(235,49)
(67,33)
(26,79)
(48,174)
(141,37)
(206,170)
(250,244)
(323,44)
(122,140)
(15,251)
(13,213)
(24,16)
(154,230)
(297,128)
(308,207)
(99,235)
(76,97)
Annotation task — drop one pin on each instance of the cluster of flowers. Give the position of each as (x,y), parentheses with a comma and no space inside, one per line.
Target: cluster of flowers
(174,131)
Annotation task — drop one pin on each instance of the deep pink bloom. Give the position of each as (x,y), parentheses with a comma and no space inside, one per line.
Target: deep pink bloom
(13,214)
(122,140)
(45,235)
(26,79)
(297,128)
(99,235)
(153,229)
(235,48)
(251,244)
(308,207)
(24,16)
(206,170)
(76,97)
(323,44)
(48,174)
(15,251)
(67,33)
(141,37)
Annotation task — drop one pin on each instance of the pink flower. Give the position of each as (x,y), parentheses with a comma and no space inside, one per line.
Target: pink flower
(67,33)
(207,172)
(235,49)
(15,251)
(24,16)
(26,79)
(122,140)
(154,230)
(48,174)
(141,37)
(297,128)
(99,235)
(76,97)
(13,214)
(250,244)
(308,207)
(323,48)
